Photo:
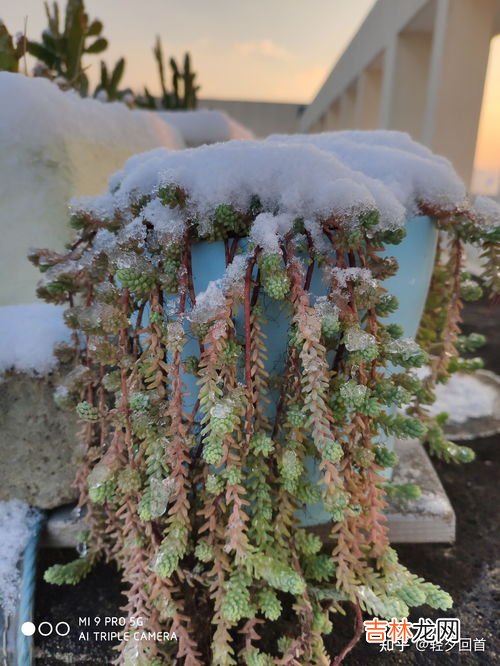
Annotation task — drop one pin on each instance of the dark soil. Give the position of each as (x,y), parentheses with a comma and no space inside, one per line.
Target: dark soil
(98,596)
(468,569)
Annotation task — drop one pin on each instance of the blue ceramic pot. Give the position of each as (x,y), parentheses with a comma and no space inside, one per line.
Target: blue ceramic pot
(415,256)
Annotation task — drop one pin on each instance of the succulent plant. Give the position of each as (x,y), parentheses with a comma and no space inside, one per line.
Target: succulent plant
(200,508)
(63,47)
(183,93)
(11,50)
(109,84)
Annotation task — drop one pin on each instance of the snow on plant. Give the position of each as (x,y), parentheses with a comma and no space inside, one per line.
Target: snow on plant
(199,507)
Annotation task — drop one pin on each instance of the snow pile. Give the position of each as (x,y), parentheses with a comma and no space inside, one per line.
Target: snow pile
(267,230)
(287,178)
(205,126)
(412,173)
(28,334)
(55,145)
(16,521)
(208,303)
(317,236)
(212,300)
(298,180)
(487,211)
(433,503)
(41,111)
(464,397)
(345,275)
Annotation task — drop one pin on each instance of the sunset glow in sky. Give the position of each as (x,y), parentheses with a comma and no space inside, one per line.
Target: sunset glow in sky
(276,50)
(488,141)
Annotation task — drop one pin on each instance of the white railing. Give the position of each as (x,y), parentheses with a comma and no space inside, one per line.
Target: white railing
(417,66)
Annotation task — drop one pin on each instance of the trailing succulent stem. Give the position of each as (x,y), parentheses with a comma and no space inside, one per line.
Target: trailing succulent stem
(200,456)
(439,332)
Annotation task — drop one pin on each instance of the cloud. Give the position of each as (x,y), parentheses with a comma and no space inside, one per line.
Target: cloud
(264,48)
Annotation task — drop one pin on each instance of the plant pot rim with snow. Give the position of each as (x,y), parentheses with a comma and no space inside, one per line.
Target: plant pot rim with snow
(199,508)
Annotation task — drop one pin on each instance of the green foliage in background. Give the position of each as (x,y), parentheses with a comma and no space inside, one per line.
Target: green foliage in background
(11,50)
(63,46)
(110,82)
(183,94)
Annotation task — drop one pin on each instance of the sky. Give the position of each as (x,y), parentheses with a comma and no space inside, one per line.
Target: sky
(275,50)
(260,49)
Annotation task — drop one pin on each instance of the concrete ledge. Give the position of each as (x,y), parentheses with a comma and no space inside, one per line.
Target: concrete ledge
(39,443)
(430,519)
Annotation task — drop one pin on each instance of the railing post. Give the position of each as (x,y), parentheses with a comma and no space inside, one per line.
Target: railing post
(460,51)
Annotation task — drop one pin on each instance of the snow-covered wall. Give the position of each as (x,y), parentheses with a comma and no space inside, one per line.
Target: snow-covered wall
(205,126)
(53,146)
(23,351)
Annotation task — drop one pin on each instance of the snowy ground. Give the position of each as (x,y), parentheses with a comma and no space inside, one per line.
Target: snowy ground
(464,397)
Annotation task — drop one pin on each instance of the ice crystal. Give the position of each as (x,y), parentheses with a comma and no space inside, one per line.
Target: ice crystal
(355,339)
